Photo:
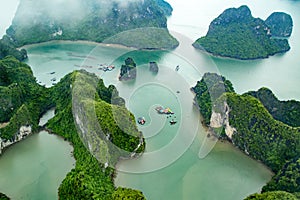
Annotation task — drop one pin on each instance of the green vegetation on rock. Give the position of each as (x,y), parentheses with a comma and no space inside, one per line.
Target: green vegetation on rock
(23,101)
(207,90)
(165,6)
(236,34)
(259,134)
(250,127)
(128,71)
(281,24)
(145,38)
(287,179)
(3,197)
(91,179)
(278,195)
(287,112)
(127,194)
(91,20)
(7,48)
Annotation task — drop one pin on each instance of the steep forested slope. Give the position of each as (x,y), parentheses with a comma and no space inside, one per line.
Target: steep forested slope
(40,20)
(237,34)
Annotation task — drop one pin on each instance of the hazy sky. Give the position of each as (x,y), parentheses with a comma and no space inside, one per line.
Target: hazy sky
(7,12)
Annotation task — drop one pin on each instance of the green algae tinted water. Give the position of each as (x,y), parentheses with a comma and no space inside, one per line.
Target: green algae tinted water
(172,167)
(35,167)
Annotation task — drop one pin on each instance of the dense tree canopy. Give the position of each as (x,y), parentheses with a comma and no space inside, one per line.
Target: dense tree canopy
(272,196)
(281,24)
(22,99)
(91,179)
(236,34)
(286,111)
(127,194)
(7,48)
(92,20)
(3,197)
(287,179)
(261,134)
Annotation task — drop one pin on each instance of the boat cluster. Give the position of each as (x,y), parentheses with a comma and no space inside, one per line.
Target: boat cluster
(160,110)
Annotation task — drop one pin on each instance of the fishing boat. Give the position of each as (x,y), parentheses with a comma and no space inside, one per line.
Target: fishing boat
(172,122)
(141,120)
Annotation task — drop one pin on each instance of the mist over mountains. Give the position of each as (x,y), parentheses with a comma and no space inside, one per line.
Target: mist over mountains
(40,20)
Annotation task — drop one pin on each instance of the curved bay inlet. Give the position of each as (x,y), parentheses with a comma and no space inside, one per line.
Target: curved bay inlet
(225,173)
(35,167)
(171,149)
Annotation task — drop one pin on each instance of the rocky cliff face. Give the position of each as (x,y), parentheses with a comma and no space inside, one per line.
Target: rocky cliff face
(153,67)
(23,132)
(219,120)
(128,71)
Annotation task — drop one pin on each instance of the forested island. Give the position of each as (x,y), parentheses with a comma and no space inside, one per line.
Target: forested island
(101,21)
(23,101)
(237,34)
(259,124)
(265,131)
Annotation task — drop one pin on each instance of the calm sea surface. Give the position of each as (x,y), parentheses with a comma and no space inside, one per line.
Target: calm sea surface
(180,162)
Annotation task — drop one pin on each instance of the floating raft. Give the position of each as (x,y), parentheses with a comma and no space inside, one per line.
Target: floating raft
(162,110)
(106,68)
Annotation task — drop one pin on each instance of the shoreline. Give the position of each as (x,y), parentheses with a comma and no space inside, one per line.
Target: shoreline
(211,134)
(50,132)
(90,42)
(201,50)
(40,129)
(87,42)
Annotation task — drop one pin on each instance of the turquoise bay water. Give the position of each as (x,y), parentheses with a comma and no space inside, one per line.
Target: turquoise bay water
(35,167)
(172,150)
(280,72)
(171,167)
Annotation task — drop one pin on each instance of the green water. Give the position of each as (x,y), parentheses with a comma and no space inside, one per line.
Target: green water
(35,167)
(180,162)
(280,72)
(171,167)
